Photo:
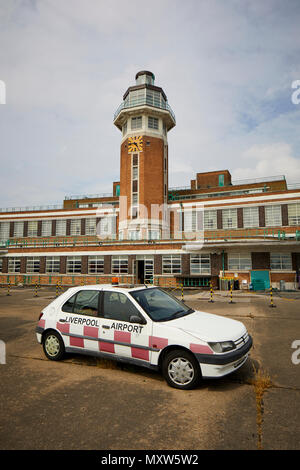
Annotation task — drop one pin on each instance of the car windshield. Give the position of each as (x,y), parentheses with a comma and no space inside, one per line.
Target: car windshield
(159,305)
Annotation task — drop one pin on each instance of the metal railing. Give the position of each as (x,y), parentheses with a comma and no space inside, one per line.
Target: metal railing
(209,236)
(32,208)
(141,102)
(88,196)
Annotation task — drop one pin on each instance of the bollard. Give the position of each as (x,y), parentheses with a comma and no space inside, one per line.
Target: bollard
(211,293)
(57,289)
(36,288)
(8,288)
(231,302)
(271,299)
(182,293)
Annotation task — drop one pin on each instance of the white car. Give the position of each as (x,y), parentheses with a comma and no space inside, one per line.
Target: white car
(145,326)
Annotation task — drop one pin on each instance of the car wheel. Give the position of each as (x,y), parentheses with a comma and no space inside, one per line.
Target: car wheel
(53,346)
(181,370)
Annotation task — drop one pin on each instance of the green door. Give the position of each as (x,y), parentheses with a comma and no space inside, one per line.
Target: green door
(260,280)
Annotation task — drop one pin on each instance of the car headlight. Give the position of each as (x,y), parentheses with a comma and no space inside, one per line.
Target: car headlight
(222,347)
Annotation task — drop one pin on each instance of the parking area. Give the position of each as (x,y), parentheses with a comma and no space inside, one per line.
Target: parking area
(88,403)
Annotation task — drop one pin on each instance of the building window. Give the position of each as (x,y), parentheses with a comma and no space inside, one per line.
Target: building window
(134,235)
(250,217)
(75,228)
(152,123)
(200,264)
(281,261)
(136,122)
(153,234)
(171,264)
(90,226)
(52,264)
(4,230)
(190,220)
(106,227)
(239,261)
(14,265)
(119,264)
(135,186)
(1,264)
(273,216)
(61,228)
(46,228)
(33,265)
(154,98)
(294,214)
(32,228)
(124,128)
(18,229)
(135,98)
(73,264)
(229,217)
(210,220)
(96,265)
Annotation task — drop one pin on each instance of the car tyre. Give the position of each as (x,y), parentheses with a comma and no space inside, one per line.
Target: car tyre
(53,346)
(181,369)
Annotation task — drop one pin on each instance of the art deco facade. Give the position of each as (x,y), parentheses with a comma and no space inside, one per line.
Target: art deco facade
(217,230)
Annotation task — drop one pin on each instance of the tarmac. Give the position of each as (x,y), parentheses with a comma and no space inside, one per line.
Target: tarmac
(85,403)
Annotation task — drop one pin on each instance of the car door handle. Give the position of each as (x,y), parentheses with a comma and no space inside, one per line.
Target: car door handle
(62,320)
(107,327)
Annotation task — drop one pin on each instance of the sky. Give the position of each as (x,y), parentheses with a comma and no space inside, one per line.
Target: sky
(227,69)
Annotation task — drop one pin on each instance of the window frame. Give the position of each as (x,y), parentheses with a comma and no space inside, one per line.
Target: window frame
(232,216)
(50,259)
(281,268)
(172,268)
(74,303)
(119,258)
(31,261)
(101,310)
(239,256)
(269,213)
(136,122)
(294,220)
(91,259)
(201,270)
(250,217)
(72,259)
(15,258)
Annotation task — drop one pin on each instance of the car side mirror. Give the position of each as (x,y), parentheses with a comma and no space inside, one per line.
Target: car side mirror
(137,319)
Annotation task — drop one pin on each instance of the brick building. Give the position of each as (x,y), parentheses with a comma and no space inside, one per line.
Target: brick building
(217,230)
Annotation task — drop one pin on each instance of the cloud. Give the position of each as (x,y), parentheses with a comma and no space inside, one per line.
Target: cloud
(269,160)
(226,67)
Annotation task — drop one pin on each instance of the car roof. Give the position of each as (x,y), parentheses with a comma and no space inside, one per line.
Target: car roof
(119,287)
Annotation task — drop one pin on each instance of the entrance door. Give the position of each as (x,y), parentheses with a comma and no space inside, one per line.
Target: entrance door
(260,280)
(140,271)
(144,269)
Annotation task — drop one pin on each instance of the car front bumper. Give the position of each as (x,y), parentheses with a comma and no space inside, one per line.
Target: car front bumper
(219,365)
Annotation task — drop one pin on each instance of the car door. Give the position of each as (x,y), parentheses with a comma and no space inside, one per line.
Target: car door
(124,331)
(78,321)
